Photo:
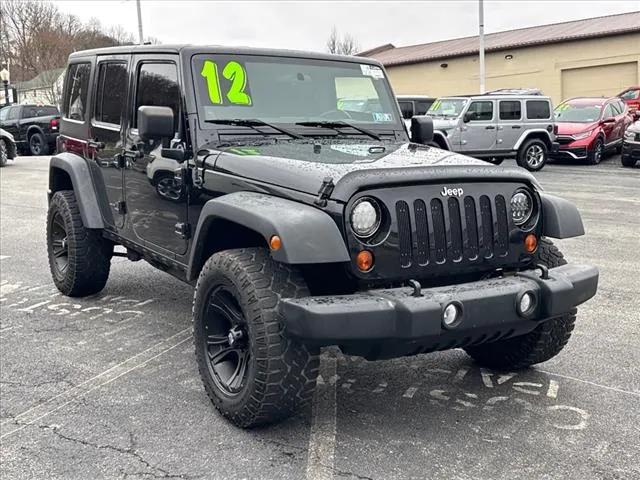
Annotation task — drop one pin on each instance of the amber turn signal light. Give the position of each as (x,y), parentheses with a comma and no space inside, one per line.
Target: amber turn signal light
(364,260)
(275,243)
(530,243)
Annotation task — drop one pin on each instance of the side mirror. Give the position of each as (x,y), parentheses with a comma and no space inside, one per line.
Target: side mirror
(609,120)
(155,123)
(422,130)
(469,116)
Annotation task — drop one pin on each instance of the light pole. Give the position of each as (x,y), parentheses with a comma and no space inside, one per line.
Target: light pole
(481,37)
(4,76)
(140,37)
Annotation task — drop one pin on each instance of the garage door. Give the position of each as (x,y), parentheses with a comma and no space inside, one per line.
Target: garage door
(603,80)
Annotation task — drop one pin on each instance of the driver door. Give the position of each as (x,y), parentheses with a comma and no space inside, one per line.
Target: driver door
(155,201)
(480,132)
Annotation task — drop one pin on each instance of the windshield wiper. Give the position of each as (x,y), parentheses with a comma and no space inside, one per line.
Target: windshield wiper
(253,123)
(337,125)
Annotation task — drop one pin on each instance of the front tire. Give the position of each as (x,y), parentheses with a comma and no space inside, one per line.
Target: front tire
(252,371)
(79,258)
(4,153)
(594,156)
(533,155)
(540,345)
(628,161)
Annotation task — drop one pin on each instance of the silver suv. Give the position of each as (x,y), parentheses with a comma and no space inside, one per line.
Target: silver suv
(496,126)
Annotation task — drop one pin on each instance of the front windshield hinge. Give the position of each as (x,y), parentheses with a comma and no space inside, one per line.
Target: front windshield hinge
(325,192)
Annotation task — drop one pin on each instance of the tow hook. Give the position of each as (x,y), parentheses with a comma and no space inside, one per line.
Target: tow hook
(544,271)
(417,288)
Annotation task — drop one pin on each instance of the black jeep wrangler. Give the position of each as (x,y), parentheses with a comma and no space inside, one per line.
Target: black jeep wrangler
(296,203)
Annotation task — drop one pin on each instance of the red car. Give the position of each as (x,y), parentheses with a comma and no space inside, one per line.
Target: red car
(631,96)
(587,128)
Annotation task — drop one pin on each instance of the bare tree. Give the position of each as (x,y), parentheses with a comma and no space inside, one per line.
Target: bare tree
(347,45)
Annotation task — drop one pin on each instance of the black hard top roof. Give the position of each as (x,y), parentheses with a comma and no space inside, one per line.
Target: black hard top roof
(189,50)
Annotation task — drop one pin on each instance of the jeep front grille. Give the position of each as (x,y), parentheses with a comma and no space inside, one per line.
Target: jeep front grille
(470,227)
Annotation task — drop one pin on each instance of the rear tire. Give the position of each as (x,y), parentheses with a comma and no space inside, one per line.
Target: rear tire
(533,155)
(594,156)
(38,145)
(264,376)
(540,345)
(628,162)
(79,258)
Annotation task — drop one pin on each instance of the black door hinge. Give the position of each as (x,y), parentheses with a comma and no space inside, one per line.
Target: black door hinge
(120,207)
(183,230)
(325,192)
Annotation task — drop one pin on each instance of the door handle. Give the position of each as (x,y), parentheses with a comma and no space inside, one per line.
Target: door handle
(515,126)
(489,127)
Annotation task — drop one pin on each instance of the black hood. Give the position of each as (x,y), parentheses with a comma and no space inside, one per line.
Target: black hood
(352,166)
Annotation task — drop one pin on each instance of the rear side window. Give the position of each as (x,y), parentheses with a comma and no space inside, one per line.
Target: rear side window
(77,85)
(407,109)
(483,111)
(111,92)
(158,86)
(631,95)
(510,110)
(538,110)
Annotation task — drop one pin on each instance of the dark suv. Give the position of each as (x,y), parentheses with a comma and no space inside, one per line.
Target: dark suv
(302,222)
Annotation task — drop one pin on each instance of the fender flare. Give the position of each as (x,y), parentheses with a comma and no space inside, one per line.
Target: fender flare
(308,234)
(36,129)
(560,218)
(525,136)
(438,133)
(78,170)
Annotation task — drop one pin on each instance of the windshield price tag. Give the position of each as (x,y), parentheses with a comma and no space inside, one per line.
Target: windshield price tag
(234,88)
(371,71)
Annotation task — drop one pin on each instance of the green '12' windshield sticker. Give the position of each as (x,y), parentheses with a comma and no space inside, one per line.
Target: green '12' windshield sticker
(236,78)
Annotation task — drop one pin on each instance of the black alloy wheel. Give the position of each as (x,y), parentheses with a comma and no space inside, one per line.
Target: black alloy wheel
(226,342)
(59,244)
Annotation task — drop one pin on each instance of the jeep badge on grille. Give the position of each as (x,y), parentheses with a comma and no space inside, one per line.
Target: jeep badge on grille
(451,192)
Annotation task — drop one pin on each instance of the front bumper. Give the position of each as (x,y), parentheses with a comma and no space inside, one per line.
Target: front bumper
(631,149)
(488,306)
(564,152)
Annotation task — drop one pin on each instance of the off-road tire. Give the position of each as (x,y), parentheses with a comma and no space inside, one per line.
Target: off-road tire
(89,253)
(281,374)
(4,153)
(592,155)
(38,145)
(628,161)
(543,343)
(523,152)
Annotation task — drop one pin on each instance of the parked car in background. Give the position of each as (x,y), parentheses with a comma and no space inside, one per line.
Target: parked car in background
(495,126)
(588,128)
(412,105)
(631,96)
(34,127)
(7,147)
(631,145)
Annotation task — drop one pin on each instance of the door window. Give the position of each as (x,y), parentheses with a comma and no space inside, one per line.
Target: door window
(3,113)
(158,86)
(77,85)
(111,92)
(483,111)
(608,112)
(510,110)
(616,108)
(538,110)
(12,113)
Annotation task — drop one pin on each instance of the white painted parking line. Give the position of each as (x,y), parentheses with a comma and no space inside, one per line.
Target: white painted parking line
(2,257)
(606,387)
(322,441)
(59,401)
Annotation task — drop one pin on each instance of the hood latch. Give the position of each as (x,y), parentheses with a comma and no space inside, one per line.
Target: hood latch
(325,192)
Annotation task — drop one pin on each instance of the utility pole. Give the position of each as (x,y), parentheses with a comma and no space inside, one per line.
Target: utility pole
(481,37)
(140,37)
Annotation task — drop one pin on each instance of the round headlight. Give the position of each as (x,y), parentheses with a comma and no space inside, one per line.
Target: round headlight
(521,207)
(365,217)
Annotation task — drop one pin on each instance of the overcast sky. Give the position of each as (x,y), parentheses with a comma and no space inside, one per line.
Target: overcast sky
(306,25)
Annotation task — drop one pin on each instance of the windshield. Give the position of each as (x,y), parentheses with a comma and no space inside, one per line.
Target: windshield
(577,113)
(448,107)
(291,90)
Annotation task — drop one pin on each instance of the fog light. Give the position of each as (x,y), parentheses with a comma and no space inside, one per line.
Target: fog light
(527,303)
(451,315)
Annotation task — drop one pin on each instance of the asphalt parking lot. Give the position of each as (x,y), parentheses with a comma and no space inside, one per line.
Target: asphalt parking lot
(107,387)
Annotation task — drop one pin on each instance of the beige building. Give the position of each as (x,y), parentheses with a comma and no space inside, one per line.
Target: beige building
(592,57)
